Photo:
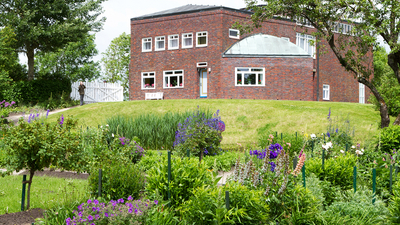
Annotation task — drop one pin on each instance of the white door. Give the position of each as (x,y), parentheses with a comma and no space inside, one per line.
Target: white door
(203,83)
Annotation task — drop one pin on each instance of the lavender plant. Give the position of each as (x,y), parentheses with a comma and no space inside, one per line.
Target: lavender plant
(200,135)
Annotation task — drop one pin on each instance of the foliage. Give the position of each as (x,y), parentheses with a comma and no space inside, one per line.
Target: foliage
(394,204)
(114,212)
(59,214)
(356,208)
(73,62)
(63,101)
(118,180)
(5,109)
(161,214)
(389,139)
(222,162)
(338,171)
(70,21)
(292,142)
(36,144)
(116,61)
(187,174)
(152,158)
(207,206)
(8,57)
(154,131)
(199,134)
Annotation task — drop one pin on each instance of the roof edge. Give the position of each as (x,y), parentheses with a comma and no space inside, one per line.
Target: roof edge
(191,11)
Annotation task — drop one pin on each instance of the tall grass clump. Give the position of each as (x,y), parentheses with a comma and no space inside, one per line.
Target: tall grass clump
(154,131)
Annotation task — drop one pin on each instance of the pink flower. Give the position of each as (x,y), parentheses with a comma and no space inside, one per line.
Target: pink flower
(289,144)
(383,159)
(271,136)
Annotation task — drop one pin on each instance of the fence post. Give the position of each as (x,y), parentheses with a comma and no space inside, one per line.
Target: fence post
(187,152)
(169,177)
(227,200)
(323,159)
(373,184)
(296,135)
(391,179)
(294,162)
(23,192)
(100,177)
(312,149)
(355,179)
(303,171)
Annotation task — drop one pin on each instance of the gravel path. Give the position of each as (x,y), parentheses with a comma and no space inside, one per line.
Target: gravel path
(17,116)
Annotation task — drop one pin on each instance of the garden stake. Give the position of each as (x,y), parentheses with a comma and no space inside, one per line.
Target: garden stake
(294,162)
(296,136)
(281,136)
(355,179)
(100,177)
(303,171)
(391,179)
(323,158)
(227,200)
(347,147)
(276,134)
(23,192)
(188,153)
(373,184)
(169,177)
(312,149)
(324,137)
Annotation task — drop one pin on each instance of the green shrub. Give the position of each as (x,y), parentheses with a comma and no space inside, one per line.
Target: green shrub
(152,158)
(338,171)
(389,139)
(118,180)
(296,142)
(394,204)
(186,175)
(223,162)
(163,215)
(356,208)
(207,206)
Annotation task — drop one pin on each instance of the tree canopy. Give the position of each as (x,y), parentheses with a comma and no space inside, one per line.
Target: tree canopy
(49,25)
(352,48)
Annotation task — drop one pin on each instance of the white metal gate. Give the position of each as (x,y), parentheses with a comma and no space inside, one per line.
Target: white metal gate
(99,92)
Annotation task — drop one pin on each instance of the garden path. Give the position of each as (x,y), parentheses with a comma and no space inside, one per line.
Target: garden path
(16,117)
(225,176)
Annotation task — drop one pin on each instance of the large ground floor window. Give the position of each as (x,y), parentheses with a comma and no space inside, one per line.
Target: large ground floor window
(148,80)
(325,92)
(248,76)
(173,79)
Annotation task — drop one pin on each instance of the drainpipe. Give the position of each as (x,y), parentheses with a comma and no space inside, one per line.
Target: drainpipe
(318,71)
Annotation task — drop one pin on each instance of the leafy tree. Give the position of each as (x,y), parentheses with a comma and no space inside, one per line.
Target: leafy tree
(386,83)
(8,58)
(353,49)
(116,61)
(36,145)
(49,25)
(74,61)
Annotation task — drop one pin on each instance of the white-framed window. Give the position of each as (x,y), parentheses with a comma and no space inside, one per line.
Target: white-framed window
(361,90)
(146,44)
(160,43)
(325,92)
(173,79)
(233,33)
(249,76)
(201,39)
(303,41)
(173,41)
(187,40)
(148,80)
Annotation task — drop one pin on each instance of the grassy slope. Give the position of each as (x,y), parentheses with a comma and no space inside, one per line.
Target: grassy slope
(243,117)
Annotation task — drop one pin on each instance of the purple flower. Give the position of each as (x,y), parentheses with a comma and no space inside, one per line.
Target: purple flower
(328,134)
(130,198)
(205,152)
(329,114)
(272,166)
(337,130)
(97,216)
(96,201)
(130,210)
(106,214)
(90,217)
(120,200)
(68,221)
(89,201)
(155,202)
(47,114)
(62,120)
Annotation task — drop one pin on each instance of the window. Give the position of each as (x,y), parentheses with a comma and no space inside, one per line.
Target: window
(173,79)
(149,80)
(234,33)
(361,90)
(173,41)
(245,76)
(325,92)
(146,44)
(201,39)
(187,40)
(303,41)
(160,43)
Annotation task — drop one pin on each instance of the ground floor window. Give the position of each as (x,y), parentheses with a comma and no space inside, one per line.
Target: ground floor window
(361,90)
(325,92)
(148,80)
(173,79)
(247,76)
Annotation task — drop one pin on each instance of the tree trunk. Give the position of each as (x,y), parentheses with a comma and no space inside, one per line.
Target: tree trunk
(393,61)
(30,52)
(28,196)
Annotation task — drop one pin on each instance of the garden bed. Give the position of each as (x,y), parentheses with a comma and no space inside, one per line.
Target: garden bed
(21,218)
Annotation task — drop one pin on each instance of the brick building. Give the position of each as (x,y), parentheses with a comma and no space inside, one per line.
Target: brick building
(191,52)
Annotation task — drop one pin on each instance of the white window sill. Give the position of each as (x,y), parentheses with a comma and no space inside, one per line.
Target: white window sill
(173,87)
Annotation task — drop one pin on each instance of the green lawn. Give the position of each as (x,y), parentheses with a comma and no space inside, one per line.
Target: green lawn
(244,117)
(46,192)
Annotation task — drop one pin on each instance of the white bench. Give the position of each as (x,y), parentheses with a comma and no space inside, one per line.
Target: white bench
(157,95)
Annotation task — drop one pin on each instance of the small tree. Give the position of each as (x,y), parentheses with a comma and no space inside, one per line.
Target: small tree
(36,144)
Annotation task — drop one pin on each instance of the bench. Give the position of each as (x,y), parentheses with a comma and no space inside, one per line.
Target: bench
(157,95)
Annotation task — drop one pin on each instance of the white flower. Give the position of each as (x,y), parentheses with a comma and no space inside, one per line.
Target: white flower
(322,134)
(313,136)
(358,152)
(342,151)
(353,146)
(112,134)
(362,150)
(107,125)
(327,145)
(101,126)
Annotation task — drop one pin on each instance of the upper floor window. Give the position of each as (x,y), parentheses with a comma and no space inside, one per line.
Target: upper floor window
(325,92)
(303,41)
(173,79)
(233,33)
(146,44)
(246,76)
(202,39)
(187,40)
(160,43)
(149,80)
(173,41)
